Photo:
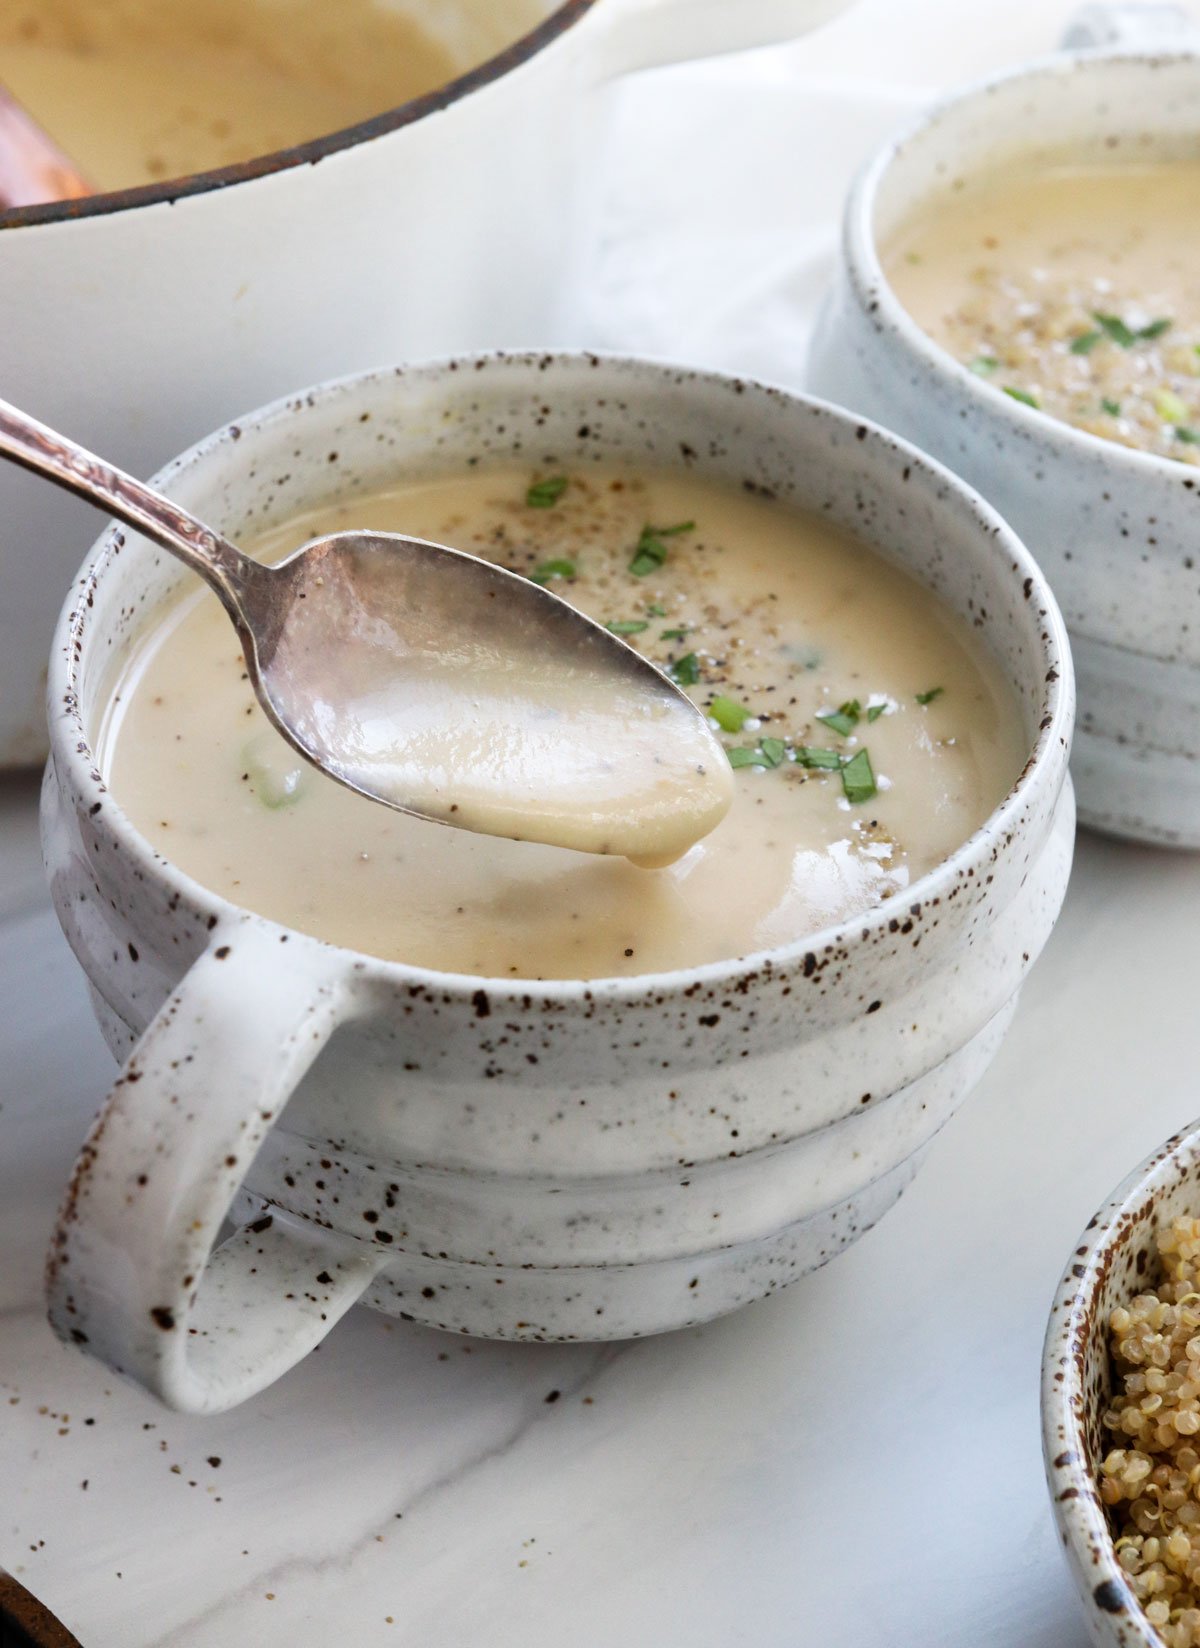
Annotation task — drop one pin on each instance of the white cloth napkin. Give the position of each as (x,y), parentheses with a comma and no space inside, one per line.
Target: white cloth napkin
(726,179)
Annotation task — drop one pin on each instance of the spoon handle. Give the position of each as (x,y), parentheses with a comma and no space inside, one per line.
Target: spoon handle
(35,446)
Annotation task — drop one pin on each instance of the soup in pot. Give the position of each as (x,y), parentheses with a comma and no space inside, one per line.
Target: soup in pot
(868,731)
(1074,289)
(137,91)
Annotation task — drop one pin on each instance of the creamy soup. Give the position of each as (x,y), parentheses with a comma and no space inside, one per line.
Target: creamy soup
(1076,290)
(136,91)
(868,732)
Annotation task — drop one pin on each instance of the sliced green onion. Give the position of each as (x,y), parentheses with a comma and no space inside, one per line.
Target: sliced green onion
(729,715)
(656,610)
(627,626)
(858,781)
(552,569)
(275,772)
(545,494)
(1190,436)
(1155,329)
(1113,408)
(1085,342)
(774,749)
(686,670)
(743,757)
(984,365)
(928,697)
(1022,395)
(673,634)
(1169,406)
(874,711)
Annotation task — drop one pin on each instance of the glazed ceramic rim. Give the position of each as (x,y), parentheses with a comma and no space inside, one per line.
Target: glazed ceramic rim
(1078,1510)
(1045,764)
(877,298)
(563,17)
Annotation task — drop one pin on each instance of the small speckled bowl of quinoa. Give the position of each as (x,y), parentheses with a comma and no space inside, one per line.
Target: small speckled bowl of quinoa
(1121,1406)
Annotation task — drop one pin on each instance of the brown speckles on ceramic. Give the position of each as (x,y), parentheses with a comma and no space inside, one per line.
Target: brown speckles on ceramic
(507,1157)
(1108,1267)
(1115,529)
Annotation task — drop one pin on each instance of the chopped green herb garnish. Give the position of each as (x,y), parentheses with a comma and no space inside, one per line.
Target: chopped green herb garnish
(1085,342)
(729,715)
(1168,405)
(1190,436)
(627,626)
(1115,328)
(1126,336)
(858,781)
(806,756)
(874,711)
(552,569)
(770,753)
(686,670)
(844,719)
(545,494)
(656,610)
(673,634)
(651,549)
(928,697)
(1113,408)
(984,365)
(1022,395)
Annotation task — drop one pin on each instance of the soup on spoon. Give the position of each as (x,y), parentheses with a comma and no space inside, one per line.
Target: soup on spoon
(866,732)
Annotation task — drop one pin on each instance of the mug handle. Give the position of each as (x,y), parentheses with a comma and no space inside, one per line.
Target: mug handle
(132,1275)
(647,34)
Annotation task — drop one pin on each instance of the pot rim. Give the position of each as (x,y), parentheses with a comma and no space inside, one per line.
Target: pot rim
(1044,770)
(564,16)
(1078,1510)
(877,298)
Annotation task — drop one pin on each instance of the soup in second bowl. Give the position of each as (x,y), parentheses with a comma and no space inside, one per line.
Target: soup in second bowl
(869,731)
(1074,289)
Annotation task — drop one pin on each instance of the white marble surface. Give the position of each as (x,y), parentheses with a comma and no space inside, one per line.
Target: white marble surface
(855,1461)
(852,1463)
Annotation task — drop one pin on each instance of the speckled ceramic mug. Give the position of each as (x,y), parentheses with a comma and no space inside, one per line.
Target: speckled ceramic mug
(1109,1265)
(1116,530)
(491,1156)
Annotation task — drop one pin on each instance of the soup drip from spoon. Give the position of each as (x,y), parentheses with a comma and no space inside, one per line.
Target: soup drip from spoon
(438,683)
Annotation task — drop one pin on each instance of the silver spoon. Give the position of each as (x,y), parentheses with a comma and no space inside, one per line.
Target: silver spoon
(436,682)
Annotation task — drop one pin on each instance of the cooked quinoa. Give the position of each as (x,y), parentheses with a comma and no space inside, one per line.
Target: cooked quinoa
(1151,1480)
(1117,366)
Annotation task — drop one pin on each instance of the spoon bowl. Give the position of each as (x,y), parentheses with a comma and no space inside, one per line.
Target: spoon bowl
(438,683)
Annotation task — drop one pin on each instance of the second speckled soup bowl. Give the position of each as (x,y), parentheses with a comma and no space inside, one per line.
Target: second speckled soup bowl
(1115,529)
(495,1156)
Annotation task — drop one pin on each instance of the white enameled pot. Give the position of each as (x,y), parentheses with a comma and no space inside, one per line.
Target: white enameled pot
(491,1156)
(140,320)
(1117,531)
